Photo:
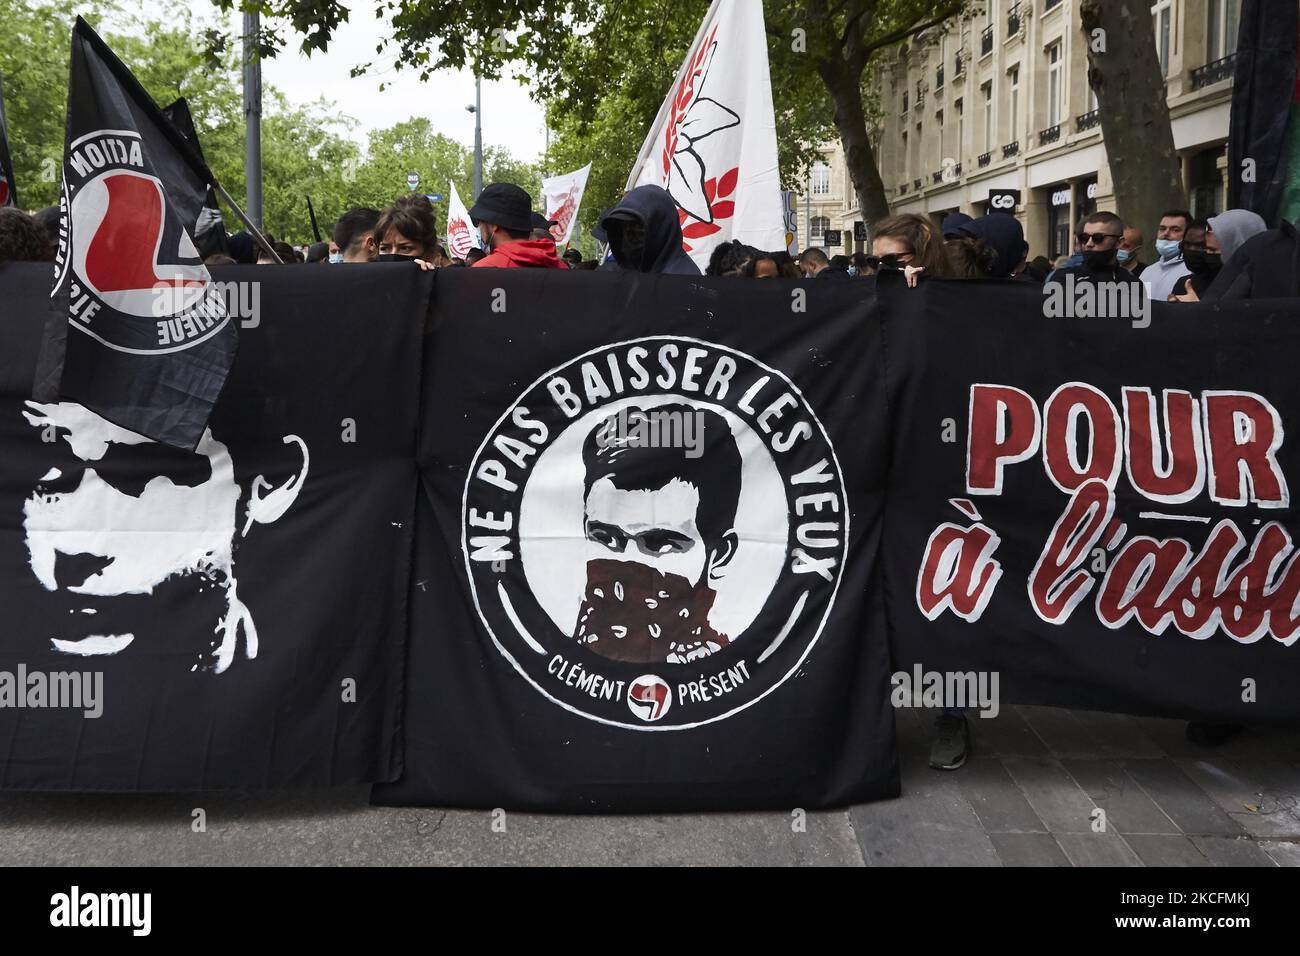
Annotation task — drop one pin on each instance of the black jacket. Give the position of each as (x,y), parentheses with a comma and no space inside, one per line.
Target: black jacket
(1263,268)
(663,232)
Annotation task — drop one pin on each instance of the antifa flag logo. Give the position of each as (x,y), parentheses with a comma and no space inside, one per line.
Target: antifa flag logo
(563,215)
(4,188)
(658,524)
(129,255)
(459,238)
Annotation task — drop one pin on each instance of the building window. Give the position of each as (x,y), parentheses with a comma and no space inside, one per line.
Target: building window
(938,124)
(1054,84)
(961,128)
(817,229)
(904,163)
(1162,15)
(987,92)
(1222,39)
(821,179)
(1013,78)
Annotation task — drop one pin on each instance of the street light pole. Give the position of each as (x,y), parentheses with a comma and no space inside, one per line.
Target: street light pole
(477,110)
(253,119)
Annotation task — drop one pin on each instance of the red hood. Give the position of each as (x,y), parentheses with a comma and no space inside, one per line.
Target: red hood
(526,254)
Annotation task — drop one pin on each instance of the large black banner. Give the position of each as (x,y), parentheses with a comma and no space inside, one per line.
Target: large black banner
(1096,509)
(644,553)
(234,616)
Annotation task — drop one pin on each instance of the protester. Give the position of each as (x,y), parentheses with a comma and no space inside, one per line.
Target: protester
(288,255)
(1003,235)
(50,219)
(813,262)
(407,231)
(541,227)
(22,239)
(1036,269)
(838,268)
(503,214)
(243,248)
(860,265)
(1258,263)
(953,223)
(1099,238)
(318,252)
(354,235)
(1201,253)
(785,262)
(219,259)
(1161,275)
(1129,249)
(909,240)
(474,256)
(645,233)
(729,258)
(762,266)
(573,257)
(969,257)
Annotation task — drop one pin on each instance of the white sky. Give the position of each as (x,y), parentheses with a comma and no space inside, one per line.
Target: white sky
(510,118)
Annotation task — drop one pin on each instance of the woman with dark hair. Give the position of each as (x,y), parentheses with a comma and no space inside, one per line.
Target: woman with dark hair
(911,243)
(762,266)
(22,238)
(407,231)
(970,258)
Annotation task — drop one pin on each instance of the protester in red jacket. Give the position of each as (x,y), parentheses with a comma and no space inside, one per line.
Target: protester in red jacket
(504,216)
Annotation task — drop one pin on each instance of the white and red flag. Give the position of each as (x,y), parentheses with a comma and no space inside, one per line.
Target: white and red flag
(562,196)
(713,144)
(461,234)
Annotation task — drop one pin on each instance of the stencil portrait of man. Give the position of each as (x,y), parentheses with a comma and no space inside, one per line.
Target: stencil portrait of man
(659,519)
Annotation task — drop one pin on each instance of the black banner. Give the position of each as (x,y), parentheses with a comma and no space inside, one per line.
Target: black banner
(137,330)
(233,616)
(645,548)
(1096,509)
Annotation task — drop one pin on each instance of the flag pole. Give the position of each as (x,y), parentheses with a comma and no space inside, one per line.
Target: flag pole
(248,224)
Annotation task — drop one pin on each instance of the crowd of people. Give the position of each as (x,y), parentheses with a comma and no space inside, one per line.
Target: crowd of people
(1229,256)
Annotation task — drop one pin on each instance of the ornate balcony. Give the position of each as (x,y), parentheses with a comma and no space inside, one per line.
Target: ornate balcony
(1086,121)
(938,77)
(1049,135)
(1214,72)
(986,41)
(1013,20)
(985,158)
(958,64)
(1011,149)
(916,185)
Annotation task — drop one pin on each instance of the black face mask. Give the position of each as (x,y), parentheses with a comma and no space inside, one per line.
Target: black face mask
(1202,263)
(628,240)
(394,257)
(1095,260)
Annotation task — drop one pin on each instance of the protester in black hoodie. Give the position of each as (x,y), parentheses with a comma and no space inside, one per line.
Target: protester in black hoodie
(645,233)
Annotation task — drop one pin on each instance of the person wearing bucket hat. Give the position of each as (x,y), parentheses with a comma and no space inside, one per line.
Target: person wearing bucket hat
(503,214)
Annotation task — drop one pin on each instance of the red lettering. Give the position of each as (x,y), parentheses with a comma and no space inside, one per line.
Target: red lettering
(1003,427)
(1245,433)
(1171,470)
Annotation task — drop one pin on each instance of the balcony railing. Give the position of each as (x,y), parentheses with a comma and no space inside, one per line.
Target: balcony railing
(1011,149)
(1049,135)
(936,176)
(904,101)
(902,189)
(1013,20)
(1088,120)
(916,185)
(938,77)
(958,65)
(986,41)
(956,171)
(920,96)
(1214,72)
(985,158)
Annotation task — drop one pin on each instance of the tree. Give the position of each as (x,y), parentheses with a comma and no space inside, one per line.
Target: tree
(579,52)
(1124,72)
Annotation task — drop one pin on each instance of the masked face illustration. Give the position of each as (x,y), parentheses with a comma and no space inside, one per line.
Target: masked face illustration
(658,523)
(121,515)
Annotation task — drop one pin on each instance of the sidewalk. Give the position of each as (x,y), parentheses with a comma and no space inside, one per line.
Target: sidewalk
(1027,796)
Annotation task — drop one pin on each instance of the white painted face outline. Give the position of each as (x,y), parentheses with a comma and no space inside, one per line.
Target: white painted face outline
(167,531)
(651,527)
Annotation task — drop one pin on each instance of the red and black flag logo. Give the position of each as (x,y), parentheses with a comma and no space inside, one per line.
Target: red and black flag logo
(8,191)
(138,333)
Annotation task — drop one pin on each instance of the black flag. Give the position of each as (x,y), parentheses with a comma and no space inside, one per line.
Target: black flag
(151,340)
(209,231)
(8,190)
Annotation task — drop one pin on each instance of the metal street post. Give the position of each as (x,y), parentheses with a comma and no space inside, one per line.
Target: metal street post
(253,118)
(477,110)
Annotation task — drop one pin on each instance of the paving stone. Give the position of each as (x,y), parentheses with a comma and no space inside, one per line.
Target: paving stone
(995,798)
(1227,851)
(1028,849)
(884,844)
(1128,808)
(1182,800)
(1097,849)
(1007,734)
(1164,850)
(1283,854)
(1059,729)
(1116,735)
(1263,796)
(1052,792)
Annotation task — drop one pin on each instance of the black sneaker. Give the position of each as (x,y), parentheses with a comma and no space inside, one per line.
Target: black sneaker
(951,744)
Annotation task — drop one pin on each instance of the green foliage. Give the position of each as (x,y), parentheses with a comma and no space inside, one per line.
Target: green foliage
(306,150)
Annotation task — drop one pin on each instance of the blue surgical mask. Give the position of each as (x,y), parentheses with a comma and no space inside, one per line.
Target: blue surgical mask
(853,270)
(1125,255)
(1167,247)
(336,257)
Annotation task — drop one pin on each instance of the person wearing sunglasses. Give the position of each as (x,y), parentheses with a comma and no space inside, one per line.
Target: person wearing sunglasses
(1099,239)
(909,243)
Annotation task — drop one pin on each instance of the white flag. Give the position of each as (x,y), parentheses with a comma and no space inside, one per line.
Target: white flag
(713,144)
(563,197)
(461,234)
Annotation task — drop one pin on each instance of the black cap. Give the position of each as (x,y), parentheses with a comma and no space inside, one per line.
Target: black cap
(541,222)
(504,205)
